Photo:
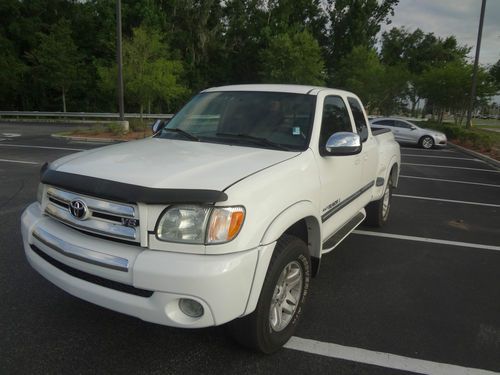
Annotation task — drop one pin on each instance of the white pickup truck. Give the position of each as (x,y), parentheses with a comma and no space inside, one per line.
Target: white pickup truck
(222,216)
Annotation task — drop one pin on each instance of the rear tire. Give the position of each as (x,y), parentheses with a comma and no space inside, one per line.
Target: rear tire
(281,299)
(377,212)
(426,142)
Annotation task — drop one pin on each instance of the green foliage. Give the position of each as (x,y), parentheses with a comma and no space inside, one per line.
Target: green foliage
(448,87)
(148,73)
(353,23)
(11,72)
(293,59)
(380,87)
(495,74)
(115,128)
(56,59)
(419,52)
(65,49)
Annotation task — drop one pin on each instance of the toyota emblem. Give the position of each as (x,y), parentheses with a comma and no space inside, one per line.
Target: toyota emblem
(78,209)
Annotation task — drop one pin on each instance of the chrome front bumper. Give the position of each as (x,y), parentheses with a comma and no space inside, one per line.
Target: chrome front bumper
(222,284)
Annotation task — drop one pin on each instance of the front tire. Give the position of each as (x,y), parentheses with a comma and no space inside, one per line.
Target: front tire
(281,299)
(426,142)
(377,212)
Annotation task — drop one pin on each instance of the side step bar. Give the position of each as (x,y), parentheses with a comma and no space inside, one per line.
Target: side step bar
(343,232)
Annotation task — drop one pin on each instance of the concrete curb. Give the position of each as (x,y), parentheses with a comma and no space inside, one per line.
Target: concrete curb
(88,139)
(494,163)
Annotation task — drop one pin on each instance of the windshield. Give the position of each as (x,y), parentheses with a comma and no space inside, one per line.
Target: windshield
(257,119)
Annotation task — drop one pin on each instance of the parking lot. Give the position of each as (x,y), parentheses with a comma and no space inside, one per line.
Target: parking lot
(421,295)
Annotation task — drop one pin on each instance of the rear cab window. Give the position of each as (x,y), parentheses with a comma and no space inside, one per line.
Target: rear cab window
(359,118)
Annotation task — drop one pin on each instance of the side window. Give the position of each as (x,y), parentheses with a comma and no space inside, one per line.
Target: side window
(384,122)
(401,124)
(359,118)
(335,119)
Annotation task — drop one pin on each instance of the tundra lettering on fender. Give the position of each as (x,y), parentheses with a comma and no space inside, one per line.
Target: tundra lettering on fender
(222,216)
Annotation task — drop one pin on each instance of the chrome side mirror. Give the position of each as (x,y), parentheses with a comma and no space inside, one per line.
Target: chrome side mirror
(158,126)
(344,143)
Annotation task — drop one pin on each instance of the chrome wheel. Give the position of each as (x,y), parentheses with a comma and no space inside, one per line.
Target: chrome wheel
(287,293)
(386,202)
(427,142)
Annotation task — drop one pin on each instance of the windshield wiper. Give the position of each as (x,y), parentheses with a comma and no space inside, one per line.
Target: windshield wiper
(257,140)
(183,132)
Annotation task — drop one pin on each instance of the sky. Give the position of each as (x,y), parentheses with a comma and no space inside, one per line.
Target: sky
(453,17)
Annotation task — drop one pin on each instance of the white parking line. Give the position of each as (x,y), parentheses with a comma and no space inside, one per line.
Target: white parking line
(42,147)
(386,360)
(448,166)
(446,200)
(455,181)
(441,157)
(427,240)
(18,161)
(426,151)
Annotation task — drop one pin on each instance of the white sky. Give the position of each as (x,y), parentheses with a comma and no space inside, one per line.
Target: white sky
(454,17)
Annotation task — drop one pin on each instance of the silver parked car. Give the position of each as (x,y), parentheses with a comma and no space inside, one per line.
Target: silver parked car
(406,132)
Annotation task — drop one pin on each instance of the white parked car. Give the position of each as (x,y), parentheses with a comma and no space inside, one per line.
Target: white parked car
(222,216)
(409,133)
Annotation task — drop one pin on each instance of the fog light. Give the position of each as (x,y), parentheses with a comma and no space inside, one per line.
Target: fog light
(191,307)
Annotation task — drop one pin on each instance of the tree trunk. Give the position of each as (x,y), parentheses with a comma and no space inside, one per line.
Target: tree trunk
(64,99)
(141,111)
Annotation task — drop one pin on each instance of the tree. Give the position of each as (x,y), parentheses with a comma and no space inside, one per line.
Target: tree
(419,51)
(353,23)
(447,87)
(380,87)
(56,59)
(11,73)
(148,73)
(293,59)
(495,74)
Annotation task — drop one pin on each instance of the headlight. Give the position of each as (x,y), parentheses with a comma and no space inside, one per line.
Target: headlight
(200,225)
(39,193)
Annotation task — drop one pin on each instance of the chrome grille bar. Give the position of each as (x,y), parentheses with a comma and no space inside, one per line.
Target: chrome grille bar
(110,219)
(111,208)
(80,253)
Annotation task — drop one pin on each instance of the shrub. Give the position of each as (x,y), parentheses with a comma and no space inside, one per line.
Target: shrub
(115,128)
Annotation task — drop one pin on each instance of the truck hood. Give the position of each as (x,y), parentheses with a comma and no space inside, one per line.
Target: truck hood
(171,164)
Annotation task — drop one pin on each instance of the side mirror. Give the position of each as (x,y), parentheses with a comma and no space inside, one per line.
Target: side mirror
(344,143)
(158,125)
(413,127)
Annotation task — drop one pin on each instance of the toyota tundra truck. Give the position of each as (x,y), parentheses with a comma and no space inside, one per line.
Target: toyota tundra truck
(222,216)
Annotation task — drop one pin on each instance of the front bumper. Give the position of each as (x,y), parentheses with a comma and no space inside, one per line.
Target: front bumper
(222,284)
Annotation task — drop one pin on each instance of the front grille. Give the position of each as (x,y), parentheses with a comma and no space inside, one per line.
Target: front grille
(92,278)
(100,217)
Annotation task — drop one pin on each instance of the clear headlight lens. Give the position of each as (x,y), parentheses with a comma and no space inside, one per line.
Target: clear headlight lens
(183,224)
(200,225)
(39,193)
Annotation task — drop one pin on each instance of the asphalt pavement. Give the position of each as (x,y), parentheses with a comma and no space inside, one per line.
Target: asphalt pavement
(421,295)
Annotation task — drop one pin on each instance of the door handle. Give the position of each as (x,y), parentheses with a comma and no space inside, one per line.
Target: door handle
(357,161)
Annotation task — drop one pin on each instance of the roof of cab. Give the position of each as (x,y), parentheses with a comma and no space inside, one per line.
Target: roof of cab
(294,89)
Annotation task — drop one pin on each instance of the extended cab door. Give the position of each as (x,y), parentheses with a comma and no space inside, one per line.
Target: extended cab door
(339,175)
(369,153)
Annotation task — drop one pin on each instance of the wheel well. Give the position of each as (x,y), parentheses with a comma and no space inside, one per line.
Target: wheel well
(307,230)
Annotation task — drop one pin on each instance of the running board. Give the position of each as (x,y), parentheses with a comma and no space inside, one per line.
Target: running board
(343,232)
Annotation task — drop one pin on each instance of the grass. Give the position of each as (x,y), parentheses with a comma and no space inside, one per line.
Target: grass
(137,129)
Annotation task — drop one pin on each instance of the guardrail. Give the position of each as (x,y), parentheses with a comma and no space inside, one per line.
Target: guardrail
(79,115)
